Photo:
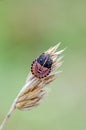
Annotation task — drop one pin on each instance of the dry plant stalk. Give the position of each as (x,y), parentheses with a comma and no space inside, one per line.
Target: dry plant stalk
(34,89)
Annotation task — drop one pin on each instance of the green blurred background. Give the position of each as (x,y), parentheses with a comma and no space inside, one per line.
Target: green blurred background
(28,28)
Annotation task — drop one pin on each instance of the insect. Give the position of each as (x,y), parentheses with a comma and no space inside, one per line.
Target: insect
(41,67)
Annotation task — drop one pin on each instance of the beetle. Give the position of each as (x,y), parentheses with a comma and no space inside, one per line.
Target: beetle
(41,67)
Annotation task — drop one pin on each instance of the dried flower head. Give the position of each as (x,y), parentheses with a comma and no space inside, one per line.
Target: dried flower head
(34,90)
(43,71)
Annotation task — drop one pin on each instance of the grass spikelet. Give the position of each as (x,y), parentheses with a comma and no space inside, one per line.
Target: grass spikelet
(34,89)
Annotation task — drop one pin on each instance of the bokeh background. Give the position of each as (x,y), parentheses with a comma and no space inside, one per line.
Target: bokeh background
(28,28)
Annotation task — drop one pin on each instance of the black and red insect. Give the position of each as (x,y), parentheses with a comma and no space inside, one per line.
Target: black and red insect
(41,67)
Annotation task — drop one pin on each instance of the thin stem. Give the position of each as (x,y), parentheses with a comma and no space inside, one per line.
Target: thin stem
(8,115)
